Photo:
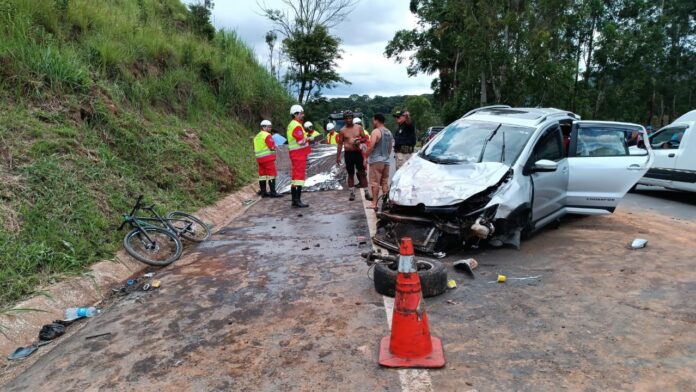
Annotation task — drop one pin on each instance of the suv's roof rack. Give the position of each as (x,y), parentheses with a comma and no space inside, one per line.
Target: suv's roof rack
(486,107)
(559,113)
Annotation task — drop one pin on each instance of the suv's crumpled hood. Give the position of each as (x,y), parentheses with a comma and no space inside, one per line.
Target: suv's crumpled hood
(420,181)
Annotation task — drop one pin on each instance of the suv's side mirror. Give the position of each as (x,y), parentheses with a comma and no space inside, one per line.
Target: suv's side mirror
(544,165)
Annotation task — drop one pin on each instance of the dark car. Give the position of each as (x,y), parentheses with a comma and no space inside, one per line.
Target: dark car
(431,132)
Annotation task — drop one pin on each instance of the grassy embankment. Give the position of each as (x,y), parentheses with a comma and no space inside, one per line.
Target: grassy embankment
(101,100)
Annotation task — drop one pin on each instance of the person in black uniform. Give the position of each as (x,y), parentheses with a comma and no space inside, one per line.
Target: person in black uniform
(405,137)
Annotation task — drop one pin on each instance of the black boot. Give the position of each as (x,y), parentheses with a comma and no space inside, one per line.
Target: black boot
(262,187)
(299,198)
(272,185)
(293,192)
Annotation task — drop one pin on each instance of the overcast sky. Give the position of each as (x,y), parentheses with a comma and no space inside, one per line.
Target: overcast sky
(364,33)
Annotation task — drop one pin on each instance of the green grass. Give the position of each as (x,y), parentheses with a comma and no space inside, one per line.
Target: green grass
(103,100)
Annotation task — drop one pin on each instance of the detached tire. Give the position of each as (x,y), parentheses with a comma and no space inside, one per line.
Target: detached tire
(432,274)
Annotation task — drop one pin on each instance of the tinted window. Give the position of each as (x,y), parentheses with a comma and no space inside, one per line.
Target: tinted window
(477,141)
(549,147)
(601,142)
(668,138)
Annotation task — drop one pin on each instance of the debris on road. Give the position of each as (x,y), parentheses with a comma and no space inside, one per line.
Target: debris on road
(305,248)
(146,287)
(451,302)
(76,313)
(22,352)
(468,266)
(131,282)
(149,275)
(451,284)
(51,331)
(503,278)
(639,243)
(98,335)
(156,284)
(440,255)
(247,203)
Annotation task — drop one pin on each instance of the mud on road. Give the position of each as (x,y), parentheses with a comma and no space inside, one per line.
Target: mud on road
(261,307)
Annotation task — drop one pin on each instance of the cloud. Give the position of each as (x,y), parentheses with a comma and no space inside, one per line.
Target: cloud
(364,35)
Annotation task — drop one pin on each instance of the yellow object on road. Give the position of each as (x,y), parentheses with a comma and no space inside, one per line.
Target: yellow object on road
(156,284)
(501,278)
(451,284)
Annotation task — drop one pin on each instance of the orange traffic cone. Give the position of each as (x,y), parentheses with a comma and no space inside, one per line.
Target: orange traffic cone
(410,344)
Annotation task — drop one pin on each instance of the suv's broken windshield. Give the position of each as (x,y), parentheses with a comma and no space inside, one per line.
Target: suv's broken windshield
(477,141)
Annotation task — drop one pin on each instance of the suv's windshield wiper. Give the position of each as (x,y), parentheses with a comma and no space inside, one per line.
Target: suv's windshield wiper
(502,152)
(441,160)
(488,139)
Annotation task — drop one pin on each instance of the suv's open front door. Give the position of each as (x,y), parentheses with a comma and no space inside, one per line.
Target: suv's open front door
(602,169)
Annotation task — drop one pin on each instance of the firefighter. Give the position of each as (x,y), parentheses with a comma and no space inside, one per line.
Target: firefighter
(332,135)
(265,151)
(298,146)
(312,133)
(359,122)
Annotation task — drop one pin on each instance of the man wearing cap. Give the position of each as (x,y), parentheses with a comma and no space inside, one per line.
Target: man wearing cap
(265,151)
(405,138)
(350,137)
(298,147)
(332,135)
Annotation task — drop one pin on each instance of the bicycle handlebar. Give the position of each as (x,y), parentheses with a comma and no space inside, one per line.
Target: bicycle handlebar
(136,207)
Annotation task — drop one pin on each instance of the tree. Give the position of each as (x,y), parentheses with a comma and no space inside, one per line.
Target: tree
(199,19)
(271,38)
(312,61)
(421,110)
(310,48)
(630,60)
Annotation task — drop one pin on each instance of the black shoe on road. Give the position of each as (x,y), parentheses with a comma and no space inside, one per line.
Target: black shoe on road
(352,196)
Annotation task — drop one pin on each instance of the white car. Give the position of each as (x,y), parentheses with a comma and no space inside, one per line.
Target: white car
(499,171)
(675,155)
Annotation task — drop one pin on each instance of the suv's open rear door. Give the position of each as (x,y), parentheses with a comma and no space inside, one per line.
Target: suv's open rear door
(602,169)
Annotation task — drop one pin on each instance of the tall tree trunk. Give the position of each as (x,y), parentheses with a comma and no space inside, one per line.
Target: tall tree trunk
(590,45)
(577,75)
(483,88)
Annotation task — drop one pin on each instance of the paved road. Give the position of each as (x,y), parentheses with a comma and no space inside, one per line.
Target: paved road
(675,204)
(278,301)
(262,308)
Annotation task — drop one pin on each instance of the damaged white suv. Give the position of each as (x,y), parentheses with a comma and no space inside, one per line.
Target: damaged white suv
(499,172)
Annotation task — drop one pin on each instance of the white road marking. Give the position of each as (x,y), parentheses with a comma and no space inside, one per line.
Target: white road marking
(411,380)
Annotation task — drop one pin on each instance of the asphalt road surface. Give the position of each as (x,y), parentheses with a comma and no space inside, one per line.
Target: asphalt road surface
(280,302)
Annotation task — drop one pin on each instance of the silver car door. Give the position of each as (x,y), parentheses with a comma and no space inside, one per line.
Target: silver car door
(601,168)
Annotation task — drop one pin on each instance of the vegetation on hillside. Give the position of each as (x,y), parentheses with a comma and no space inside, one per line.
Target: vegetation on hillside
(630,60)
(421,108)
(102,100)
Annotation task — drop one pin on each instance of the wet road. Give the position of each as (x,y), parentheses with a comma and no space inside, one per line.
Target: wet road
(277,301)
(261,307)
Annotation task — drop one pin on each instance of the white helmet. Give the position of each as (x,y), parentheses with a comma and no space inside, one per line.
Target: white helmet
(296,109)
(357,120)
(330,126)
(266,123)
(308,124)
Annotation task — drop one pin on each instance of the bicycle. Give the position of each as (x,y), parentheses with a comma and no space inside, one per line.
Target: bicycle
(155,240)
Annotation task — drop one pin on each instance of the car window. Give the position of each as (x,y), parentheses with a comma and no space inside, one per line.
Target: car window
(668,138)
(477,141)
(549,147)
(601,142)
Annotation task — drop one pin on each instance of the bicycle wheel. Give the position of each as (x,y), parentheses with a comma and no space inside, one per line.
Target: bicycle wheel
(163,249)
(188,226)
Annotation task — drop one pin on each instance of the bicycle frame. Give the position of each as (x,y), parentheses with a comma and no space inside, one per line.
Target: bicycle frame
(143,222)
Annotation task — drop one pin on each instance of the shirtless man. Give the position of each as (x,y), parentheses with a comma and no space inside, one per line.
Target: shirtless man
(350,138)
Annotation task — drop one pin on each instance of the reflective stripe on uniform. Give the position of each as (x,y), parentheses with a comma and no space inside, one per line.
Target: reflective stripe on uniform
(260,147)
(292,142)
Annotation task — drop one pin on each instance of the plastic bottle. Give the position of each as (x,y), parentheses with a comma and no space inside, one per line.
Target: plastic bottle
(76,313)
